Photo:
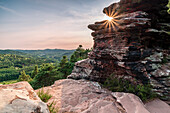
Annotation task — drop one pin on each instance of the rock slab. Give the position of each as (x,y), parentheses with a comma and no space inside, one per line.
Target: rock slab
(82,96)
(20,98)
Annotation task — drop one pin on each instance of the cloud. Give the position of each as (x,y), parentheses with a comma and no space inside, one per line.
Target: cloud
(10,10)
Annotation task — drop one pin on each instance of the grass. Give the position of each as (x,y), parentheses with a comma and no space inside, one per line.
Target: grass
(8,82)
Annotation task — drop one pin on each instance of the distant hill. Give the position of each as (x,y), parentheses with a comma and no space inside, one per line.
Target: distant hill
(12,52)
(47,53)
(12,62)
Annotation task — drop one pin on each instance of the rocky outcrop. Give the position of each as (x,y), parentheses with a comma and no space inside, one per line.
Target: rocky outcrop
(133,45)
(82,96)
(20,98)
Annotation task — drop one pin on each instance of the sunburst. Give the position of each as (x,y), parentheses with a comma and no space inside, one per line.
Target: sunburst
(111,21)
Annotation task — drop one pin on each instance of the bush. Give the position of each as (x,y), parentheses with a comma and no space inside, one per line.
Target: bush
(168,7)
(46,76)
(144,92)
(52,108)
(44,96)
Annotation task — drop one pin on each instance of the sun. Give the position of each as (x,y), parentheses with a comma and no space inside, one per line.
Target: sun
(107,18)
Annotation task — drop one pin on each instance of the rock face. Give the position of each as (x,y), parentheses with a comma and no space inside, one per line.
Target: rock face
(20,98)
(82,96)
(133,45)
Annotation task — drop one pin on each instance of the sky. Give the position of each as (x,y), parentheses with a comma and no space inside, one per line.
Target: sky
(49,24)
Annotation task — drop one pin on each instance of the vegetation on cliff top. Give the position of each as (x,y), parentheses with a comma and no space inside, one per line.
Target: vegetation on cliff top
(45,96)
(144,92)
(47,74)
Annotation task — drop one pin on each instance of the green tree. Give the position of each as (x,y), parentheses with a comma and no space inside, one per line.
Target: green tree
(79,54)
(35,72)
(63,62)
(24,77)
(46,76)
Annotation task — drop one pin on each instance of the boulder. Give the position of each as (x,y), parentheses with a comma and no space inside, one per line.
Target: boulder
(157,106)
(20,98)
(82,96)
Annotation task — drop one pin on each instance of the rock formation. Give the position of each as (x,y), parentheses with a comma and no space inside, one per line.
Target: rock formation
(82,96)
(20,98)
(133,45)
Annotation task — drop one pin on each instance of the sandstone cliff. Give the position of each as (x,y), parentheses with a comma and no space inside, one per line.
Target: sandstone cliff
(134,45)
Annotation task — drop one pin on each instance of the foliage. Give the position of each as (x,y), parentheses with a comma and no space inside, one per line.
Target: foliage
(48,54)
(144,92)
(8,82)
(66,66)
(24,77)
(8,74)
(79,54)
(34,72)
(164,60)
(42,65)
(46,76)
(44,96)
(12,62)
(168,7)
(63,62)
(52,108)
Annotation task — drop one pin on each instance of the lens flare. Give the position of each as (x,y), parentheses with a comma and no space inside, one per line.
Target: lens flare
(108,18)
(112,22)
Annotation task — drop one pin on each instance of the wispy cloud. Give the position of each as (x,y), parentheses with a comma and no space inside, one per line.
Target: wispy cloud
(10,10)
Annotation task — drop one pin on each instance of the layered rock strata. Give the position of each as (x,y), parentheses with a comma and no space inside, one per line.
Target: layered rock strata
(133,45)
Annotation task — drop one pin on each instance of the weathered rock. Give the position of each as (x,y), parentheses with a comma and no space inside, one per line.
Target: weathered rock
(20,98)
(135,45)
(82,96)
(157,106)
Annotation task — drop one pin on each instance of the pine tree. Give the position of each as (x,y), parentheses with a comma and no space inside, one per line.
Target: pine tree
(46,76)
(24,77)
(35,72)
(63,62)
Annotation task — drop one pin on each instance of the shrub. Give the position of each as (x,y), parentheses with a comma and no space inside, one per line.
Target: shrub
(44,96)
(46,76)
(52,108)
(144,92)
